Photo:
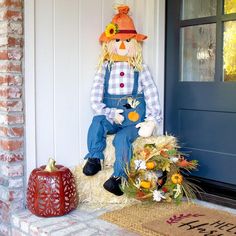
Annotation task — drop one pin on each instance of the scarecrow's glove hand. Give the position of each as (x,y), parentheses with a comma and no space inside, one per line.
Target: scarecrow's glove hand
(118,119)
(146,128)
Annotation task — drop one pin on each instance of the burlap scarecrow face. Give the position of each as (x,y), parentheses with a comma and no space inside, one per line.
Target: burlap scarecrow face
(126,47)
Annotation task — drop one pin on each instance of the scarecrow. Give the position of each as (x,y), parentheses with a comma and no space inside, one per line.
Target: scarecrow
(124,98)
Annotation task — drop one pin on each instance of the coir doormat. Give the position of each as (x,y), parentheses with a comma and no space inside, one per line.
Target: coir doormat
(171,220)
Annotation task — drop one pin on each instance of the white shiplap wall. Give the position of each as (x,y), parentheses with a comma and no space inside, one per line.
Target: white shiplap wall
(61,52)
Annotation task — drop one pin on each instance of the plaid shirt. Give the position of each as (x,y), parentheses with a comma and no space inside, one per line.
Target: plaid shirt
(121,83)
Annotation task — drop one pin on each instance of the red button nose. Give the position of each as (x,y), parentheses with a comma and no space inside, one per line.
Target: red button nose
(122,73)
(122,85)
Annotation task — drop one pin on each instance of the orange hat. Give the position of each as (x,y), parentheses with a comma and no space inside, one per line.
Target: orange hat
(121,27)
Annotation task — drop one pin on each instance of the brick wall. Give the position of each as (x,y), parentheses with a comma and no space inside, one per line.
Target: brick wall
(11,111)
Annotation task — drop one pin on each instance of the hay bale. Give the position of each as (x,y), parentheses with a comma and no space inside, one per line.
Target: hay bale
(159,141)
(109,153)
(90,188)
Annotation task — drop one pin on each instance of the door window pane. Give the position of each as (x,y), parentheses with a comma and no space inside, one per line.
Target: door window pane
(197,52)
(230,51)
(198,8)
(229,6)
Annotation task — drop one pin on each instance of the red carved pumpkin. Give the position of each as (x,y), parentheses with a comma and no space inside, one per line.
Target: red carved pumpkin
(51,190)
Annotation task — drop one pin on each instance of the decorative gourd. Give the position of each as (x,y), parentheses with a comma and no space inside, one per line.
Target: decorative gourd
(133,116)
(51,190)
(145,184)
(151,165)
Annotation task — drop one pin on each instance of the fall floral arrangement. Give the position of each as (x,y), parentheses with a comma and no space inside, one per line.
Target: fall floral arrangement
(156,173)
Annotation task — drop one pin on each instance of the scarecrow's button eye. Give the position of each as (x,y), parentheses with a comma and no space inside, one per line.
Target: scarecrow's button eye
(117,40)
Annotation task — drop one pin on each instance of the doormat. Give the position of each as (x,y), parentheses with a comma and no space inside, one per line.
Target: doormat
(171,220)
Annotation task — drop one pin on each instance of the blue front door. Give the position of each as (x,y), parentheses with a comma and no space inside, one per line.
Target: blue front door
(201,84)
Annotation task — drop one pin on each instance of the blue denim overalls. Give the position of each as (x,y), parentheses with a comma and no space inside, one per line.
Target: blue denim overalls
(125,133)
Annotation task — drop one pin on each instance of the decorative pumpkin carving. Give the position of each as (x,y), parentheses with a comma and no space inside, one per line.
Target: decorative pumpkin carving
(51,190)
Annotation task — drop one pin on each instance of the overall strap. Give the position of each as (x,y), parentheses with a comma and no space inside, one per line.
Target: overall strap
(107,77)
(135,87)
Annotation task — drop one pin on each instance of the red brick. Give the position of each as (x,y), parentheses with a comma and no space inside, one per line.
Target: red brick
(3,55)
(4,27)
(11,157)
(10,15)
(5,213)
(12,206)
(11,119)
(10,54)
(4,182)
(12,182)
(7,66)
(10,80)
(10,92)
(15,27)
(11,195)
(16,195)
(15,42)
(11,105)
(11,131)
(11,145)
(11,27)
(3,40)
(11,41)
(15,170)
(11,3)
(15,119)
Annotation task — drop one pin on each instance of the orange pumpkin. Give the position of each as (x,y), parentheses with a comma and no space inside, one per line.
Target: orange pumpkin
(177,178)
(145,184)
(133,116)
(151,165)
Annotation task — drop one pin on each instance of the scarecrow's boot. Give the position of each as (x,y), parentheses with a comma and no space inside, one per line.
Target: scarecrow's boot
(92,166)
(112,185)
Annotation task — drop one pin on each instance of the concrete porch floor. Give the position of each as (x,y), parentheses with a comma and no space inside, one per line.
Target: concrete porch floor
(83,221)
